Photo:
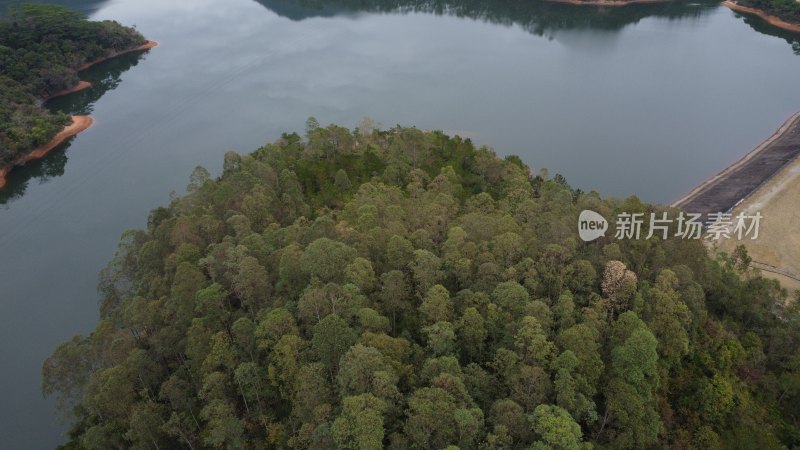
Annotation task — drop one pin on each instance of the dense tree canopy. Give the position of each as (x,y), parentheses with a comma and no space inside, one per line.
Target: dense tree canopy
(40,48)
(404,289)
(788,10)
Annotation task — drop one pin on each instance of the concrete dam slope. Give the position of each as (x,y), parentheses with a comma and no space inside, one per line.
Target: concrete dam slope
(724,191)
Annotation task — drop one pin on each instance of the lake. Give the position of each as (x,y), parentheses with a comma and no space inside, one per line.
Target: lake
(645,100)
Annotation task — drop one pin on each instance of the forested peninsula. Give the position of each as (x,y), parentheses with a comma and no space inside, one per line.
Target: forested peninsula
(404,289)
(783,14)
(42,47)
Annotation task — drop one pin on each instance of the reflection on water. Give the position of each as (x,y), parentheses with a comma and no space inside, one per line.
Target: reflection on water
(763,27)
(538,17)
(42,170)
(104,77)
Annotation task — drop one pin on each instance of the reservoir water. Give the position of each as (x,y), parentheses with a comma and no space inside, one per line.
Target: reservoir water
(644,100)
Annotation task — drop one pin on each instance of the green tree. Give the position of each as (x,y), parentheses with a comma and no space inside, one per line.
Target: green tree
(581,340)
(441,338)
(326,259)
(436,306)
(313,393)
(572,392)
(251,283)
(360,425)
(471,333)
(668,317)
(557,429)
(564,310)
(275,324)
(357,369)
(511,296)
(630,399)
(332,338)
(509,414)
(530,386)
(426,270)
(399,252)
(361,274)
(394,294)
(532,344)
(430,422)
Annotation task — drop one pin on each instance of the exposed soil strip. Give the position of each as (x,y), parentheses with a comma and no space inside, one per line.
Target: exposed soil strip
(79,123)
(724,191)
(82,85)
(141,48)
(85,84)
(772,20)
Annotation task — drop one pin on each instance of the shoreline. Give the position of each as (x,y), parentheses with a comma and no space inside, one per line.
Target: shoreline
(611,3)
(770,19)
(82,85)
(741,163)
(146,46)
(78,125)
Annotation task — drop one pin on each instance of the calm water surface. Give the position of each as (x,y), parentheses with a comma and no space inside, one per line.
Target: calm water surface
(644,100)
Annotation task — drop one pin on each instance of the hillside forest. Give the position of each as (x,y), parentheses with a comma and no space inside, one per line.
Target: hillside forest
(403,289)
